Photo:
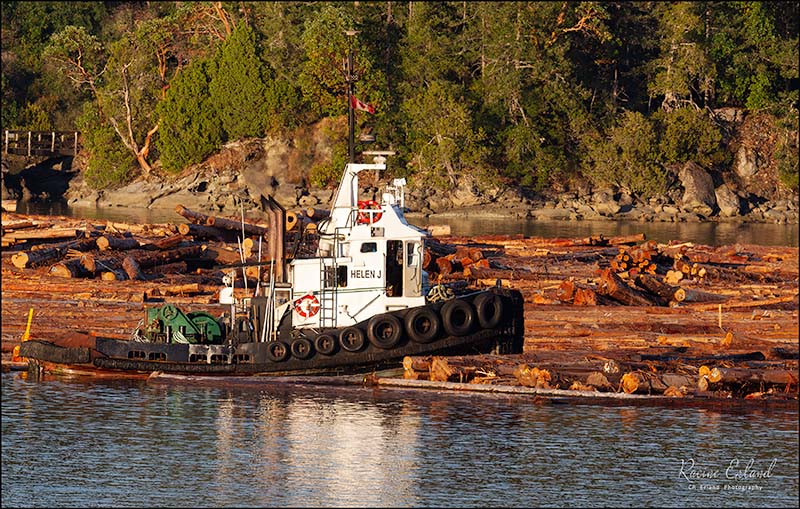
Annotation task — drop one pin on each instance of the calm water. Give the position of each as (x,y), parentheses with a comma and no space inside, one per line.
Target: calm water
(67,442)
(714,234)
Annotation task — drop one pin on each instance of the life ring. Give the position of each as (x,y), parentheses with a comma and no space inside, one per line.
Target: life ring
(364,214)
(307,306)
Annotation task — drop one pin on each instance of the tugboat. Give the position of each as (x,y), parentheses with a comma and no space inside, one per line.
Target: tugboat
(363,301)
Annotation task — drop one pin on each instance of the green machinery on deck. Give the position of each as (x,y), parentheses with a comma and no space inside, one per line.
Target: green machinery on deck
(168,324)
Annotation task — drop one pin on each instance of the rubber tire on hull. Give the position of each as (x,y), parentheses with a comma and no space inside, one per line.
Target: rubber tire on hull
(351,339)
(302,348)
(423,324)
(384,331)
(326,344)
(489,308)
(458,317)
(277,351)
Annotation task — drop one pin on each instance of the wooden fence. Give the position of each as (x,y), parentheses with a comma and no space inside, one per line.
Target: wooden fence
(41,143)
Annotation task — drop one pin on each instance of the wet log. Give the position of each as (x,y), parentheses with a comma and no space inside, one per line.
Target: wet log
(184,289)
(767,376)
(191,215)
(223,255)
(662,292)
(690,295)
(626,239)
(37,257)
(44,234)
(113,275)
(171,268)
(585,297)
(40,255)
(107,242)
(566,291)
(165,243)
(201,231)
(316,214)
(72,268)
(292,220)
(236,226)
(612,286)
(132,269)
(147,259)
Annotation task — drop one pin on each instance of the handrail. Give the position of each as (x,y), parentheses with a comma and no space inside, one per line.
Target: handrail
(41,143)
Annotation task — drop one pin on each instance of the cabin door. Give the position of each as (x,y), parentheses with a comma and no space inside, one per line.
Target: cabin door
(403,269)
(412,274)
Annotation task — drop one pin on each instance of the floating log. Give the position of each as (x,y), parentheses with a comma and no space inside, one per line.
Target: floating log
(147,259)
(663,293)
(291,220)
(191,215)
(316,214)
(165,243)
(690,295)
(72,268)
(37,257)
(44,234)
(626,239)
(107,242)
(113,275)
(223,255)
(201,231)
(236,226)
(133,269)
(611,285)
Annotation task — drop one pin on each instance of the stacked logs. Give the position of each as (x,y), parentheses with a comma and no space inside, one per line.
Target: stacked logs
(642,259)
(736,375)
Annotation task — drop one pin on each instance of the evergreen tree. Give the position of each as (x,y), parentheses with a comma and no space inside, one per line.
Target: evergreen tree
(190,128)
(237,88)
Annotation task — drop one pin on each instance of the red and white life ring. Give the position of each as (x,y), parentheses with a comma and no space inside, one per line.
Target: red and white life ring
(306,306)
(364,214)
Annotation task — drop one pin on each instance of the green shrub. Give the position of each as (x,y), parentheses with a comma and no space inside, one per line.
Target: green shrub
(687,134)
(628,157)
(787,161)
(110,163)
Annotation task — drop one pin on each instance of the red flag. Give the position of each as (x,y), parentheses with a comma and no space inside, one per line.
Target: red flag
(361,106)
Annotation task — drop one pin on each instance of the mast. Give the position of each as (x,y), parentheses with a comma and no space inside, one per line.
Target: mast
(350,78)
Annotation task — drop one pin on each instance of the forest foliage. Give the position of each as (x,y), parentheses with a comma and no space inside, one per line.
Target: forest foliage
(525,93)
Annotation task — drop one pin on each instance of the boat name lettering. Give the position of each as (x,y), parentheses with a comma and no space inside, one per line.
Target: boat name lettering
(365,274)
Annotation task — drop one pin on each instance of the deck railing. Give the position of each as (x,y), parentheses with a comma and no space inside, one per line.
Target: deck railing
(41,143)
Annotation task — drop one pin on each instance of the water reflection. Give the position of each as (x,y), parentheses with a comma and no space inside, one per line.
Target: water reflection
(710,233)
(77,443)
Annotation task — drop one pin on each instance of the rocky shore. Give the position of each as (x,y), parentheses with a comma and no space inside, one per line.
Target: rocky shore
(240,173)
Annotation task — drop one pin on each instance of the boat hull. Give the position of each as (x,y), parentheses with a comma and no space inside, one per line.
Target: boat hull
(116,355)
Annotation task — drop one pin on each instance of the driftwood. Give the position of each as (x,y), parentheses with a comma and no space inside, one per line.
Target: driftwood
(662,292)
(36,257)
(316,214)
(117,243)
(236,226)
(132,269)
(71,268)
(611,285)
(165,243)
(191,215)
(201,231)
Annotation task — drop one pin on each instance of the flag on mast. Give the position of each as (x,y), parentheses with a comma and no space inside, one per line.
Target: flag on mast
(361,106)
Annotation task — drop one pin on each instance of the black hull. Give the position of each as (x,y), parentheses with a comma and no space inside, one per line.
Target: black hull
(253,358)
